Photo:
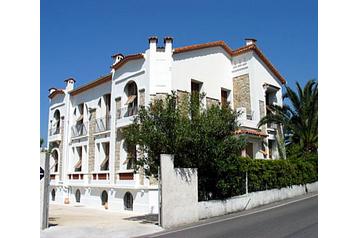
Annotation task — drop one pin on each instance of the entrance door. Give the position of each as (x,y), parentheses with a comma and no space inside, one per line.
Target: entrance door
(250,150)
(78,195)
(104,198)
(128,201)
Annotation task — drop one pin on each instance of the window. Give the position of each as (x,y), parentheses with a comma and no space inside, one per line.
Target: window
(105,163)
(224,98)
(132,99)
(78,165)
(195,93)
(107,102)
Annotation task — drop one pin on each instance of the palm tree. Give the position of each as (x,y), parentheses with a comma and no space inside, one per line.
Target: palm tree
(299,118)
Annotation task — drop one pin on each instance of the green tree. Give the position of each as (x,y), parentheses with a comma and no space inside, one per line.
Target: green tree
(200,138)
(41,142)
(299,119)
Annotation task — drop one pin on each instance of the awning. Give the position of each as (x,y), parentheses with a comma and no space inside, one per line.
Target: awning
(78,164)
(104,161)
(79,118)
(130,99)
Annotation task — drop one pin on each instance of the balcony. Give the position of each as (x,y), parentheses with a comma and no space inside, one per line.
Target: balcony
(54,130)
(125,115)
(54,133)
(79,130)
(103,124)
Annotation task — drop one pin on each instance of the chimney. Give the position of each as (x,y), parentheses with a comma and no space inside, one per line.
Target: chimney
(70,83)
(117,57)
(153,40)
(168,44)
(51,90)
(250,41)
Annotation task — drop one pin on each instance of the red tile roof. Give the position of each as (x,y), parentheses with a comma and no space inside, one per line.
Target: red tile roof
(92,84)
(126,59)
(250,132)
(55,92)
(231,52)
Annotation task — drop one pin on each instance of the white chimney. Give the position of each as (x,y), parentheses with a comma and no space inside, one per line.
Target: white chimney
(117,57)
(153,40)
(51,90)
(168,44)
(250,41)
(70,83)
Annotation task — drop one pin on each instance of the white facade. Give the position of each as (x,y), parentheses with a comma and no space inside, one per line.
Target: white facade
(92,161)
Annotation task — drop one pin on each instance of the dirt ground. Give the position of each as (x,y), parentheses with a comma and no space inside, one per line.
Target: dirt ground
(74,221)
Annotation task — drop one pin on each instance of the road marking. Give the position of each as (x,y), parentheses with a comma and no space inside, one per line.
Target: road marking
(234,217)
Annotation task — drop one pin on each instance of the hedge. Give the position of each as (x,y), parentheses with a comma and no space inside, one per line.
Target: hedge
(265,174)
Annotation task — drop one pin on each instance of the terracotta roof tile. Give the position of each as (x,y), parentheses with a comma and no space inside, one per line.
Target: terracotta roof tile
(231,52)
(92,84)
(250,132)
(56,92)
(126,59)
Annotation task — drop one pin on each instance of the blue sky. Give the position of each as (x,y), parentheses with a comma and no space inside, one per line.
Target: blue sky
(78,37)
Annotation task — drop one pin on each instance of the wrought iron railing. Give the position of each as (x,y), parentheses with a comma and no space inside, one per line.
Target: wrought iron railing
(79,130)
(127,112)
(54,130)
(103,124)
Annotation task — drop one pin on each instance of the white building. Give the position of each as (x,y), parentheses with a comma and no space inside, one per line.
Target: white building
(91,161)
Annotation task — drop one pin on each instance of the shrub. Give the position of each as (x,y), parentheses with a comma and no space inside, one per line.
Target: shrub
(265,174)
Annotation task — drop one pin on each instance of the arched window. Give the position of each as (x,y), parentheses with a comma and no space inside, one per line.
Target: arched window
(104,198)
(53,195)
(131,91)
(54,162)
(128,201)
(56,123)
(131,154)
(78,195)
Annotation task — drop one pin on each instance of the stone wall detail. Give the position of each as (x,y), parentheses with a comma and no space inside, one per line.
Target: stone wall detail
(241,92)
(117,151)
(211,101)
(118,107)
(142,97)
(91,141)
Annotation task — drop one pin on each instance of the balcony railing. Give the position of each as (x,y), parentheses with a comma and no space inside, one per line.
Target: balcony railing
(79,130)
(126,112)
(103,124)
(54,130)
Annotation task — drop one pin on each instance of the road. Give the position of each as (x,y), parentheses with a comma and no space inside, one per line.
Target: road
(292,218)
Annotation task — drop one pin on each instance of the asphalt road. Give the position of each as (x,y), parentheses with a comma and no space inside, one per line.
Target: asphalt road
(293,218)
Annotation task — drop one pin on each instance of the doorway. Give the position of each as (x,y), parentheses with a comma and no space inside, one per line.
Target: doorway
(78,195)
(128,201)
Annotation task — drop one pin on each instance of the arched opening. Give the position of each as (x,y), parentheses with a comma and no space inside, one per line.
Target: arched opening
(53,195)
(54,161)
(104,198)
(56,124)
(131,154)
(78,195)
(131,92)
(128,201)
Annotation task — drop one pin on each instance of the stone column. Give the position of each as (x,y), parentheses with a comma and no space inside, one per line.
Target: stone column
(91,142)
(60,147)
(241,92)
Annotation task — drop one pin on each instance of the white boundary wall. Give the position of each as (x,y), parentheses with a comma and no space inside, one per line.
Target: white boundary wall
(207,209)
(179,194)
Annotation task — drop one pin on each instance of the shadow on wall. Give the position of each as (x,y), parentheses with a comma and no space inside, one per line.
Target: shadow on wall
(185,174)
(145,219)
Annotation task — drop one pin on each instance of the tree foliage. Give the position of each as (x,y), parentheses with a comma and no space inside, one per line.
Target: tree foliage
(198,138)
(299,118)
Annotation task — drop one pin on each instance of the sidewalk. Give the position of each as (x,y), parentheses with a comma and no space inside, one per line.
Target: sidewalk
(71,221)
